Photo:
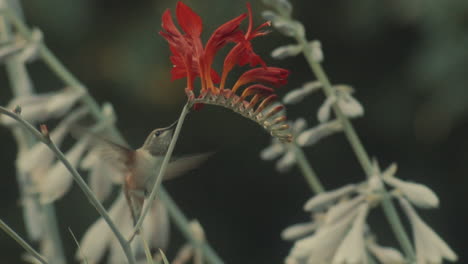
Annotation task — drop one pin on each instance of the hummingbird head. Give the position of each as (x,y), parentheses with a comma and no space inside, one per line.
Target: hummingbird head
(159,139)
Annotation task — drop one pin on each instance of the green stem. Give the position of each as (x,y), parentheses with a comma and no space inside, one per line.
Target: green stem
(21,241)
(60,70)
(164,164)
(22,86)
(309,174)
(78,179)
(184,226)
(361,154)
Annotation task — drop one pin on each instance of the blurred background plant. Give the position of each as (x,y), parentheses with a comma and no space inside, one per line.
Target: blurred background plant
(405,59)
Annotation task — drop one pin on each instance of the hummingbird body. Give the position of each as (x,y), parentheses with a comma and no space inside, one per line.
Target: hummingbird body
(142,166)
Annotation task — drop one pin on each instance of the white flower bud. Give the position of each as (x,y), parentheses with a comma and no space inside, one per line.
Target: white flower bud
(313,135)
(352,249)
(430,248)
(418,194)
(324,199)
(286,51)
(316,50)
(386,255)
(298,230)
(296,95)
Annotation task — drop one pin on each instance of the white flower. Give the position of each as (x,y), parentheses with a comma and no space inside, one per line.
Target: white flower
(101,173)
(418,194)
(58,179)
(98,238)
(286,51)
(326,198)
(352,249)
(312,135)
(316,50)
(386,255)
(32,217)
(37,108)
(187,251)
(277,149)
(40,155)
(30,51)
(322,245)
(430,248)
(298,230)
(7,50)
(346,102)
(296,95)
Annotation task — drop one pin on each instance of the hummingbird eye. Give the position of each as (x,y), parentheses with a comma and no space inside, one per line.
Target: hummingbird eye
(158,133)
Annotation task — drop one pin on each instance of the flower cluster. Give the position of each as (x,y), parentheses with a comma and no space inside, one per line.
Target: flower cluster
(99,238)
(191,59)
(339,232)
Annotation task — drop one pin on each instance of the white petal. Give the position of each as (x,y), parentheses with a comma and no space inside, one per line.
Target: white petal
(296,95)
(317,52)
(32,218)
(386,255)
(299,125)
(156,226)
(286,162)
(61,102)
(58,179)
(352,249)
(272,152)
(418,194)
(345,207)
(40,107)
(350,106)
(313,135)
(321,246)
(32,108)
(323,114)
(7,50)
(96,239)
(30,52)
(183,255)
(324,199)
(40,155)
(298,230)
(429,246)
(286,51)
(125,224)
(100,181)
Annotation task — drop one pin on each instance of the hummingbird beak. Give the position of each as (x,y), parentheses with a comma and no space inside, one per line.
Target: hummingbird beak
(172,126)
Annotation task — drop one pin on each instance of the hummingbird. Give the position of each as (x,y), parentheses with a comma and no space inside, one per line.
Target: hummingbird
(141,166)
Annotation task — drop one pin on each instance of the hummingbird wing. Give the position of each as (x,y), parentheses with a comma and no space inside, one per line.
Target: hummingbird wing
(110,151)
(181,165)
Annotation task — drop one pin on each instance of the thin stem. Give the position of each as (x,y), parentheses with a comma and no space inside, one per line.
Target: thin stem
(21,241)
(184,226)
(78,179)
(164,164)
(358,148)
(307,170)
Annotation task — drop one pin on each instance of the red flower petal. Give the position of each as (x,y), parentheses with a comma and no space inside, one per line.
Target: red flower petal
(189,21)
(228,32)
(268,75)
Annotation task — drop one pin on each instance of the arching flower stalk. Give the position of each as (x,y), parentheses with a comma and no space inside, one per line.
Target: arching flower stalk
(191,59)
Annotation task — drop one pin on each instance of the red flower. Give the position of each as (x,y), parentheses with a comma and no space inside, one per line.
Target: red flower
(191,59)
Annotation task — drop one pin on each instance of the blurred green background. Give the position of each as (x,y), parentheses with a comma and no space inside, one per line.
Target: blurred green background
(407,59)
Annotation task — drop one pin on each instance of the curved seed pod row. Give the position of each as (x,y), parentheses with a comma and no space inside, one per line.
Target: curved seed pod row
(260,108)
